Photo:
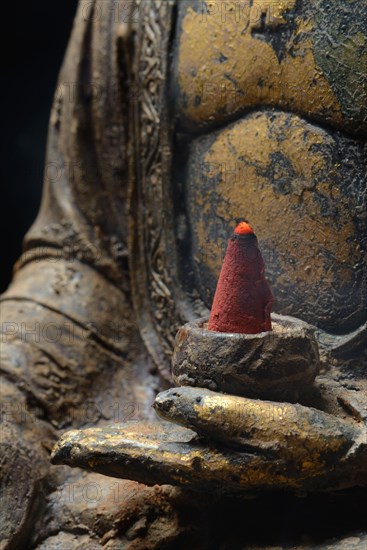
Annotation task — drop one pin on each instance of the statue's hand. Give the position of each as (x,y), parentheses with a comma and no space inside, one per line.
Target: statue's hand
(222,443)
(242,444)
(293,446)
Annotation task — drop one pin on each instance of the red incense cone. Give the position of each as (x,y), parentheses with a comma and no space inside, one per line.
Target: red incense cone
(242,300)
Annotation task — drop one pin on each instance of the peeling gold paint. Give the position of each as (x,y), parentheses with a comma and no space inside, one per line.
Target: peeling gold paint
(293,432)
(250,72)
(291,223)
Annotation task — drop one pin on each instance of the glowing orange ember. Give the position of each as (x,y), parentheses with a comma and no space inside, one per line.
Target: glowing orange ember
(243,228)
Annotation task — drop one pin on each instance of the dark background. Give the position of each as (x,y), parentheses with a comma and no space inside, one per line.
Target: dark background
(36,35)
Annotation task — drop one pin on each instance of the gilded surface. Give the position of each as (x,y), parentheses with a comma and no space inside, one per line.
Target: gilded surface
(266,445)
(235,56)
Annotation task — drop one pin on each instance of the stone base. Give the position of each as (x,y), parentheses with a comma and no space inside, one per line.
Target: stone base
(275,365)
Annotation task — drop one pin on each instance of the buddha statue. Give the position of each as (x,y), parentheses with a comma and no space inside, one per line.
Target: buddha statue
(170,121)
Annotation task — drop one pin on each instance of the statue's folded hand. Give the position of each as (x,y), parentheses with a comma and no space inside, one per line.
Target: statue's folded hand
(299,446)
(227,444)
(295,433)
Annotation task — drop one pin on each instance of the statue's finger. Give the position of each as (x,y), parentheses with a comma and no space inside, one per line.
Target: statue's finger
(163,453)
(307,437)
